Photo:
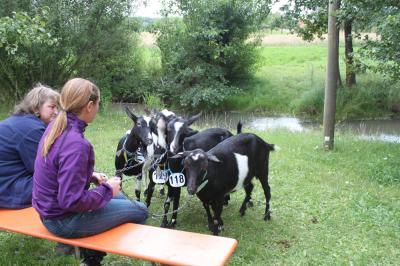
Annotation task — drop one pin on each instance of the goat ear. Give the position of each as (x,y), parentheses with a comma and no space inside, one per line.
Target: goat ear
(213,158)
(193,118)
(130,114)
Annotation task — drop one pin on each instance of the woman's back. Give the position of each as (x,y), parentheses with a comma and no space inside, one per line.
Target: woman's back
(19,139)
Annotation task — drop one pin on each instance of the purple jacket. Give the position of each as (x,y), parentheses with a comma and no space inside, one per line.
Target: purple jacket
(61,179)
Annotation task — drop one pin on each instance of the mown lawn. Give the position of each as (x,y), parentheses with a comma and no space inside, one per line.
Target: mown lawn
(329,208)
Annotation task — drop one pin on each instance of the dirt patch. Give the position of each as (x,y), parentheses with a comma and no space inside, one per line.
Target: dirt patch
(147,39)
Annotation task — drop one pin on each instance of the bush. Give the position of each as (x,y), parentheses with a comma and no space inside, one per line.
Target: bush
(205,54)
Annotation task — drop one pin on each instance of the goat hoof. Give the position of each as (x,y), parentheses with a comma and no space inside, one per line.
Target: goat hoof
(211,227)
(216,230)
(226,200)
(242,211)
(164,225)
(267,216)
(172,225)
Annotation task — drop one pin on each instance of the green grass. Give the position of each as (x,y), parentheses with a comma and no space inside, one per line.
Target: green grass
(285,73)
(329,208)
(291,81)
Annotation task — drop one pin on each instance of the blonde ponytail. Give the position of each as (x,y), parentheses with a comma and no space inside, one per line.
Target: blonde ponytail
(75,94)
(58,128)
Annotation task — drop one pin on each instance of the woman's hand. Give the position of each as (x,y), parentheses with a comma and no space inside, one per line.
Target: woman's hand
(115,183)
(99,178)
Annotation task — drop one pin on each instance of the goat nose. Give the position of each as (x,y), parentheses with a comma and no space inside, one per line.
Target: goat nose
(149,141)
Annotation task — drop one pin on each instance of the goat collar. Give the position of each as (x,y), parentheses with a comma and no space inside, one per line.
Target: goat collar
(203,184)
(137,156)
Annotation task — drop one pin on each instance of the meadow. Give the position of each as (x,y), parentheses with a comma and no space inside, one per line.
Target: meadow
(290,80)
(337,207)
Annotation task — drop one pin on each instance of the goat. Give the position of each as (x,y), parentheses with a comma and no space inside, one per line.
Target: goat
(162,120)
(177,130)
(167,126)
(135,149)
(204,140)
(227,167)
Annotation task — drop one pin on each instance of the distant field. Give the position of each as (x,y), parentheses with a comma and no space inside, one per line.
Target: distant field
(275,38)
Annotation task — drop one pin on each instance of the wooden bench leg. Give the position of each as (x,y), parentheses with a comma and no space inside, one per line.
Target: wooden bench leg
(77,253)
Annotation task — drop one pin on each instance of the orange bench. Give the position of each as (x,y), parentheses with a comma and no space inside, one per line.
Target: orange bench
(166,246)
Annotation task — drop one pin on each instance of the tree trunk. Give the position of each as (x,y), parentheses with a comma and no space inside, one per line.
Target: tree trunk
(348,40)
(332,75)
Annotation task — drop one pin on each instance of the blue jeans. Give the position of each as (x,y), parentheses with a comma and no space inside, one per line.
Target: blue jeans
(118,211)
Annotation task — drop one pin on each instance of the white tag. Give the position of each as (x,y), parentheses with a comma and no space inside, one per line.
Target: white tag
(177,180)
(160,177)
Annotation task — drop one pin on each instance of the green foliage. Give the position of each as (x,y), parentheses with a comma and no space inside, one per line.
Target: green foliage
(22,40)
(386,50)
(382,16)
(206,53)
(92,39)
(153,101)
(310,103)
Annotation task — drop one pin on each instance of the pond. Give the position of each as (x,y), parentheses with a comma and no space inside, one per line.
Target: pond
(380,129)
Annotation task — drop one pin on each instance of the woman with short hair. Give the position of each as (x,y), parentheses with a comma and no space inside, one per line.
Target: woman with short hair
(19,138)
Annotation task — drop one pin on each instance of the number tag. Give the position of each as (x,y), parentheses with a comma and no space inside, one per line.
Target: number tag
(177,180)
(160,177)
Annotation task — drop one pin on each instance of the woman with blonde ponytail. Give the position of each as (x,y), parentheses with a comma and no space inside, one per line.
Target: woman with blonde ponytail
(64,170)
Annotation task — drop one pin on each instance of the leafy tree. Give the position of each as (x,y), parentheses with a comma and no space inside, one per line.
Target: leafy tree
(95,39)
(206,51)
(384,51)
(22,38)
(354,16)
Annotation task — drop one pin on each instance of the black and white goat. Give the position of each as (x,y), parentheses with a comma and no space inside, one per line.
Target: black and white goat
(227,167)
(135,149)
(204,140)
(168,126)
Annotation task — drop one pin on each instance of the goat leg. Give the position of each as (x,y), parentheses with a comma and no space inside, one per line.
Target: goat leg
(248,189)
(209,217)
(227,198)
(167,203)
(149,190)
(138,187)
(217,207)
(175,206)
(267,193)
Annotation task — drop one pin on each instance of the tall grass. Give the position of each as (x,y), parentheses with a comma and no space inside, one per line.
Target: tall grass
(328,208)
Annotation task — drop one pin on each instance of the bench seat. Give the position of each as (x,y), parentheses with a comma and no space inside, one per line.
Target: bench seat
(166,246)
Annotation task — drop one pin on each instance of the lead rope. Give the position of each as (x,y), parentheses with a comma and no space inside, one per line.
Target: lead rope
(155,216)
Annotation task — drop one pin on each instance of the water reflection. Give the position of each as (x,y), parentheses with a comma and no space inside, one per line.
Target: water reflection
(290,123)
(381,137)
